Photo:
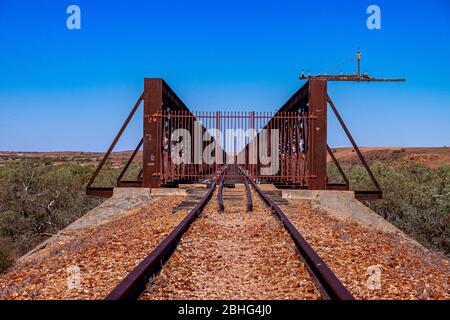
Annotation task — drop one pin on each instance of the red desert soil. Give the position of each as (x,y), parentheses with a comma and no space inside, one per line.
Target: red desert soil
(234,255)
(407,270)
(432,157)
(105,255)
(85,158)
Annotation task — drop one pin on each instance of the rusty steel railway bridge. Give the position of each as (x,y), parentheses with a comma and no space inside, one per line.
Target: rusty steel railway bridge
(302,149)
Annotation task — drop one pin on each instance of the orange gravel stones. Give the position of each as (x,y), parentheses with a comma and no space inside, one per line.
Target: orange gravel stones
(97,260)
(371,264)
(231,255)
(234,255)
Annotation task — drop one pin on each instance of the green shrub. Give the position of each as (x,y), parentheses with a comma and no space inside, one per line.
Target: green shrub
(37,199)
(416,198)
(5,254)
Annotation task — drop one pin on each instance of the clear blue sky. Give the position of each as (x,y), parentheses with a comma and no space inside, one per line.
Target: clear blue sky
(71,90)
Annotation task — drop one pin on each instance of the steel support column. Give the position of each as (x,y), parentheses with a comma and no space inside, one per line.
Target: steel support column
(317,146)
(153,104)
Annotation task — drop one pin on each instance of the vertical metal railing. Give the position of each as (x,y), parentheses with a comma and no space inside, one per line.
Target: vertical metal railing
(235,143)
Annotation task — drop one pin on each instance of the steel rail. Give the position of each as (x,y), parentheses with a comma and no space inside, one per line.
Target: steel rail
(134,284)
(329,285)
(220,193)
(247,189)
(249,195)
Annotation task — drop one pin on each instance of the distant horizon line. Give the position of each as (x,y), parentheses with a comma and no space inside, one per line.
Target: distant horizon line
(131,150)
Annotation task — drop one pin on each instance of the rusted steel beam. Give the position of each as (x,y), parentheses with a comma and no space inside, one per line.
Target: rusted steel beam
(134,284)
(104,192)
(159,99)
(113,144)
(175,102)
(220,194)
(298,98)
(355,146)
(317,142)
(338,166)
(140,175)
(130,160)
(351,78)
(368,195)
(247,189)
(153,104)
(222,175)
(297,101)
(130,184)
(330,286)
(337,186)
(249,195)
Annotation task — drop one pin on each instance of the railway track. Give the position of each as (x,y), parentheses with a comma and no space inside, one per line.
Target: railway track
(232,254)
